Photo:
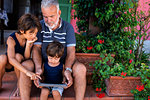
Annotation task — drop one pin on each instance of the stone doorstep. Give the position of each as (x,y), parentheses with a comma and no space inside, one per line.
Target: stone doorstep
(10,85)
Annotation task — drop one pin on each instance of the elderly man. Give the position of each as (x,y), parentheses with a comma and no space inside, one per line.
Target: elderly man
(54,28)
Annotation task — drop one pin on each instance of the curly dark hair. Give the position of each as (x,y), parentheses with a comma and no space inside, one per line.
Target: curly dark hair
(27,22)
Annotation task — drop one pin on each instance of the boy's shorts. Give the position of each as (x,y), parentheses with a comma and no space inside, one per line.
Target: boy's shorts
(59,89)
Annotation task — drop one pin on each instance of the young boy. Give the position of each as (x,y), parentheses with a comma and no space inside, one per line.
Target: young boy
(19,45)
(53,71)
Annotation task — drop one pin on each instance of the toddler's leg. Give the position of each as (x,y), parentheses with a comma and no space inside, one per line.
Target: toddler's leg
(57,93)
(44,94)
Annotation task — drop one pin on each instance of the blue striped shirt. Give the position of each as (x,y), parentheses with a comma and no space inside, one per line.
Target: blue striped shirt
(64,34)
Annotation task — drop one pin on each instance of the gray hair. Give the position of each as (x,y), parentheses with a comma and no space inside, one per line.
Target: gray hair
(48,3)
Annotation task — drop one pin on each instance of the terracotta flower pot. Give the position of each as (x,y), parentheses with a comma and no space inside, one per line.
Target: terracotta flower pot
(118,86)
(86,59)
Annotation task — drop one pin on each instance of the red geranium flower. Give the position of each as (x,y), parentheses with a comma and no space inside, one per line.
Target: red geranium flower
(140,87)
(89,48)
(130,51)
(123,74)
(130,61)
(100,41)
(100,89)
(97,89)
(101,95)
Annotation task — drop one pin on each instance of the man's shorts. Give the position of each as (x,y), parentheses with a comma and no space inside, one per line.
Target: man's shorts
(59,89)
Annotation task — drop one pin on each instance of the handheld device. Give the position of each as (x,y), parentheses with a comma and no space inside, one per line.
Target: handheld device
(52,85)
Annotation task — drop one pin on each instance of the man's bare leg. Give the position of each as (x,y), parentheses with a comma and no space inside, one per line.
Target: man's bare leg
(3,62)
(25,82)
(79,74)
(19,58)
(44,94)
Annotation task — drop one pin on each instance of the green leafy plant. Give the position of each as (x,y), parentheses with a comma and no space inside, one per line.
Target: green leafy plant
(118,21)
(106,67)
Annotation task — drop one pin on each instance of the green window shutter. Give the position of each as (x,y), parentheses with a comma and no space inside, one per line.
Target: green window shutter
(65,7)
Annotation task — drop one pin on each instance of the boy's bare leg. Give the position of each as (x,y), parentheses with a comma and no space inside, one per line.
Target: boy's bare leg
(19,58)
(79,74)
(25,82)
(56,95)
(44,94)
(3,62)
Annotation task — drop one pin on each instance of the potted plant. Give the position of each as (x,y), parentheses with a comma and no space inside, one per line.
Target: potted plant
(132,63)
(118,79)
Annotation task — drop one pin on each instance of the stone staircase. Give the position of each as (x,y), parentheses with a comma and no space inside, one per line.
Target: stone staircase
(10,85)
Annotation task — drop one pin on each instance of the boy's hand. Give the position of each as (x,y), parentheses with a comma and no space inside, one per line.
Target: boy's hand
(64,82)
(36,82)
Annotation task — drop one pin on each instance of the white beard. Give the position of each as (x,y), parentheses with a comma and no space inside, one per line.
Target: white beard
(54,25)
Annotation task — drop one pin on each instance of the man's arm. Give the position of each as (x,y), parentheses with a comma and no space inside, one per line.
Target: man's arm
(70,59)
(37,59)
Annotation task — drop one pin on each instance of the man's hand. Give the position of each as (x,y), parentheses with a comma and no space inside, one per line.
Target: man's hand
(68,76)
(36,81)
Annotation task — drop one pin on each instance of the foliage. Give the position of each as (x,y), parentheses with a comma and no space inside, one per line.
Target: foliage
(118,21)
(113,21)
(105,67)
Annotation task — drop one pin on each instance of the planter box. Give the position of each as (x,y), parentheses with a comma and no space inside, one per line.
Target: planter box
(118,86)
(86,59)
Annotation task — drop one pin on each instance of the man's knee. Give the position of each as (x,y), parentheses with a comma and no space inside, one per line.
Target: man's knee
(79,69)
(28,64)
(3,60)
(19,57)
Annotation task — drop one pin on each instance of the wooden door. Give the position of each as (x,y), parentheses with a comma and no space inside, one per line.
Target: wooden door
(65,7)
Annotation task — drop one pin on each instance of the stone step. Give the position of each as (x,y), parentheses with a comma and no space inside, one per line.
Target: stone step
(10,85)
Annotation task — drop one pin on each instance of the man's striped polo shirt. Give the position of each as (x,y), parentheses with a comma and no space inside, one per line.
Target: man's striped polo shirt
(64,34)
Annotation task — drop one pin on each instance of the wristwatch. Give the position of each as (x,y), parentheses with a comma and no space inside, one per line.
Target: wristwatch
(69,69)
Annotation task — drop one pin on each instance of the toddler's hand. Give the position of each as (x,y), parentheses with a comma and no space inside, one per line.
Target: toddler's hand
(64,82)
(36,82)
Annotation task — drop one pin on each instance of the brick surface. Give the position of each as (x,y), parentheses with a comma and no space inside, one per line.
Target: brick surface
(10,85)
